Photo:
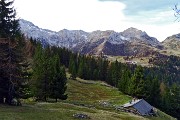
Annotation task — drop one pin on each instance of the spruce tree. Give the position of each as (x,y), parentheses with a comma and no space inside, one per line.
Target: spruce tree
(48,75)
(124,81)
(72,66)
(155,91)
(59,85)
(11,52)
(102,65)
(42,72)
(136,86)
(9,24)
(38,72)
(81,68)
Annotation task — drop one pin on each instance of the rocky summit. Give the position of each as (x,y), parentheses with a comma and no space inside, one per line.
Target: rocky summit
(172,42)
(129,42)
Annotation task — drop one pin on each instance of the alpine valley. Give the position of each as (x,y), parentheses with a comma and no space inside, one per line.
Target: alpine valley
(74,74)
(130,42)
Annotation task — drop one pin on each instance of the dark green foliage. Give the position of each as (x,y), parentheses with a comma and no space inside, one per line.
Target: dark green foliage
(49,78)
(12,62)
(73,66)
(41,73)
(136,86)
(81,71)
(37,70)
(124,81)
(134,80)
(114,73)
(9,25)
(103,66)
(58,80)
(13,68)
(168,69)
(153,87)
(170,100)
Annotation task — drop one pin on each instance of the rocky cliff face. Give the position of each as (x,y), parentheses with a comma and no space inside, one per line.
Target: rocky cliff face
(63,38)
(136,35)
(129,42)
(172,42)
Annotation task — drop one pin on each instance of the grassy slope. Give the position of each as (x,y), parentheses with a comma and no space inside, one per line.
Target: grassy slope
(143,61)
(84,97)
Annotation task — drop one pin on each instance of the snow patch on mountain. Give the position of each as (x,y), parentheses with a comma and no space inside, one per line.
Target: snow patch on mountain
(63,38)
(117,38)
(77,39)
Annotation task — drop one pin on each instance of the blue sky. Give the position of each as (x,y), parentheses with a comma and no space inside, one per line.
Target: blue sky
(153,16)
(148,9)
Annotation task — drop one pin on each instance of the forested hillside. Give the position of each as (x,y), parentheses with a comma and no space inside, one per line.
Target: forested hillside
(31,69)
(159,85)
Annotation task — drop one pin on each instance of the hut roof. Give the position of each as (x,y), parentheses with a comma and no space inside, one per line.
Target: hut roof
(143,107)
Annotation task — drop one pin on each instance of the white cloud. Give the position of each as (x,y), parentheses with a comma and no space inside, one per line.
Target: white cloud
(71,14)
(90,15)
(162,32)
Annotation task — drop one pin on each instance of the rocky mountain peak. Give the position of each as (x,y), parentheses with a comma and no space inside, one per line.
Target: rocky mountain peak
(139,36)
(133,32)
(175,37)
(92,42)
(64,38)
(172,43)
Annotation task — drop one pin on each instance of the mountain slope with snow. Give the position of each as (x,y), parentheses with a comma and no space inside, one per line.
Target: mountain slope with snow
(129,42)
(63,38)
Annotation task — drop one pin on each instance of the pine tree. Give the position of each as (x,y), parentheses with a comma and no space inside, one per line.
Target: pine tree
(58,80)
(11,52)
(136,87)
(103,66)
(48,76)
(124,81)
(72,66)
(174,100)
(9,25)
(155,91)
(12,65)
(42,72)
(38,72)
(113,74)
(81,68)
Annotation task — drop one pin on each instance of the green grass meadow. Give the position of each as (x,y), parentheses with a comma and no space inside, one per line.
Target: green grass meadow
(83,97)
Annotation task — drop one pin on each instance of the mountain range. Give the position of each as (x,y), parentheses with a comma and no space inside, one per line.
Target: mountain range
(129,42)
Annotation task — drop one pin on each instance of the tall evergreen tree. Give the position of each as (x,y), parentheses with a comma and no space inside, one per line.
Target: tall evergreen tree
(114,73)
(9,24)
(58,81)
(38,72)
(81,71)
(136,87)
(11,52)
(73,66)
(124,81)
(42,72)
(48,76)
(102,65)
